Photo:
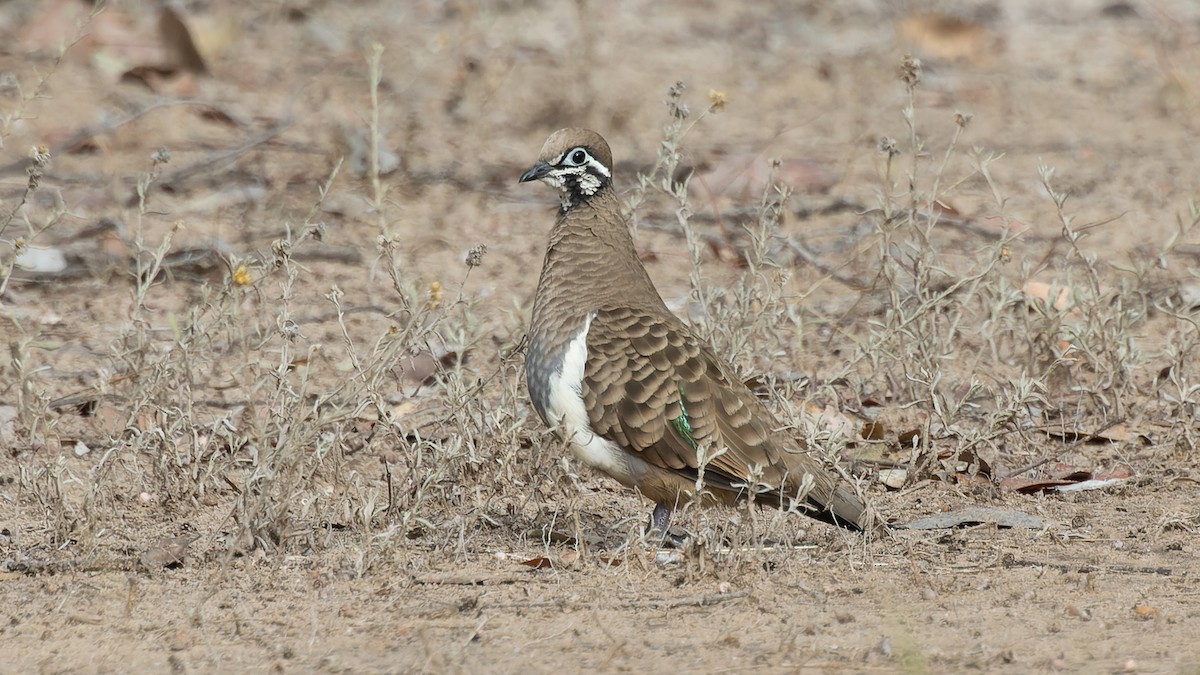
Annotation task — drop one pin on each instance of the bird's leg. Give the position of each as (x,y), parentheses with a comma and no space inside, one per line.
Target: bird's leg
(660,520)
(659,527)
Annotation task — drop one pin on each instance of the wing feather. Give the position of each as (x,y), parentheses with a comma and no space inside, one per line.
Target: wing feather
(655,389)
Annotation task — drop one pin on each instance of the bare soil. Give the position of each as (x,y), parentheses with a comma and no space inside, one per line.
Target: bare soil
(497,555)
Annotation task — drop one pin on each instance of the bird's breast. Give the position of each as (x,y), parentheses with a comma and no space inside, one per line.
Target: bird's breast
(554,368)
(555,377)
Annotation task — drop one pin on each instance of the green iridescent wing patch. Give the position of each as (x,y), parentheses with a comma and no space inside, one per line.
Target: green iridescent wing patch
(682,425)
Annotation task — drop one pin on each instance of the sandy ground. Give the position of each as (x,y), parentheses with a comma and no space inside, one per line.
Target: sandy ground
(1105,92)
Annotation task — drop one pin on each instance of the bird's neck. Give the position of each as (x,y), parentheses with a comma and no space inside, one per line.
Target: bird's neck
(594,230)
(592,264)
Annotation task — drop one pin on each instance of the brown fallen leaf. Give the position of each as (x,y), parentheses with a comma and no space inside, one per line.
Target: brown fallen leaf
(1068,472)
(967,462)
(909,438)
(945,208)
(1068,478)
(172,71)
(873,431)
(1121,433)
(1031,485)
(540,562)
(1115,433)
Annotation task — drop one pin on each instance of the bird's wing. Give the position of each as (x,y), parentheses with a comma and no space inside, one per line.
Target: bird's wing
(653,388)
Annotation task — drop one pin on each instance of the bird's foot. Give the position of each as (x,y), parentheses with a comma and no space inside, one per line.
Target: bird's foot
(659,528)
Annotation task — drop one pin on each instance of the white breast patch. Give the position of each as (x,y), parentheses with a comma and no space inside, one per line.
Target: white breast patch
(568,413)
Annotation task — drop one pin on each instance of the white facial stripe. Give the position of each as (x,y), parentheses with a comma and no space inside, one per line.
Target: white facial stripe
(598,167)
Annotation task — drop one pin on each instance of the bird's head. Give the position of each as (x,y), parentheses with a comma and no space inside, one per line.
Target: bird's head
(575,161)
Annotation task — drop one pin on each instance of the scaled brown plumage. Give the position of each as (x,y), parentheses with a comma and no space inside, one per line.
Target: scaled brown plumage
(654,396)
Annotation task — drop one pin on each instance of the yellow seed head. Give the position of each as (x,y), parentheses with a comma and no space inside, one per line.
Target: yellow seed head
(435,294)
(717,99)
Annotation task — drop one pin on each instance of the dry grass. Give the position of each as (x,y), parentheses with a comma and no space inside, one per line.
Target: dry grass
(313,438)
(277,415)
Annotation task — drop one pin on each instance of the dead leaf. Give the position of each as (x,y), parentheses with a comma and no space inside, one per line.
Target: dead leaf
(1113,433)
(873,431)
(1117,433)
(893,478)
(165,80)
(1062,477)
(945,208)
(1121,433)
(418,369)
(1031,485)
(1061,471)
(541,562)
(967,462)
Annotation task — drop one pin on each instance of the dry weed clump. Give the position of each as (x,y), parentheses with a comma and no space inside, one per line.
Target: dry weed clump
(230,415)
(301,444)
(996,366)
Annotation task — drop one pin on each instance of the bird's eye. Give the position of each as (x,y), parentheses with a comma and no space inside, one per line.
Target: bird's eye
(577,157)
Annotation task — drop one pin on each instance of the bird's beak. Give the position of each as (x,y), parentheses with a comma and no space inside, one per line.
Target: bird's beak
(536,172)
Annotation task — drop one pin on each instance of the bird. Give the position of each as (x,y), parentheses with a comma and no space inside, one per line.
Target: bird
(631,387)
